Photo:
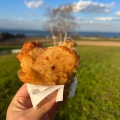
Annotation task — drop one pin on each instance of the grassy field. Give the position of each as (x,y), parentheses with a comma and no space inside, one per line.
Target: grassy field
(2,48)
(9,82)
(97,38)
(98,91)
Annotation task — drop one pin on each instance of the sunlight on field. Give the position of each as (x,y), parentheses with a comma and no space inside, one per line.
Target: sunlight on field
(98,91)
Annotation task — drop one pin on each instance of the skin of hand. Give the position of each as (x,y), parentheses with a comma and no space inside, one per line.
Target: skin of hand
(21,108)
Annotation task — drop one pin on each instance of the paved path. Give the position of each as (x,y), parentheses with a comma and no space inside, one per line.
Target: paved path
(99,43)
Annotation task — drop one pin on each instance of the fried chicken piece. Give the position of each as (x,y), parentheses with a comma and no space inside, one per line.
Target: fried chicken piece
(69,44)
(54,65)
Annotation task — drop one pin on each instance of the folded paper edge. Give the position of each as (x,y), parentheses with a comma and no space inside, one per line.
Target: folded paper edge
(58,98)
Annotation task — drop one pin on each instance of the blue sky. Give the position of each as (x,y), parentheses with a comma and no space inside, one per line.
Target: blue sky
(92,15)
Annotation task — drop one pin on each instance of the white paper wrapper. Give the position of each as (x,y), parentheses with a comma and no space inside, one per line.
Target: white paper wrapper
(39,92)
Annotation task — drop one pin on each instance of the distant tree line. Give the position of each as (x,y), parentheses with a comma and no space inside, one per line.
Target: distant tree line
(5,36)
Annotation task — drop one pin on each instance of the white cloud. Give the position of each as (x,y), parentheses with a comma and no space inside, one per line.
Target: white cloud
(80,19)
(117,13)
(32,15)
(85,25)
(21,23)
(21,19)
(90,6)
(103,18)
(100,27)
(86,22)
(106,19)
(33,4)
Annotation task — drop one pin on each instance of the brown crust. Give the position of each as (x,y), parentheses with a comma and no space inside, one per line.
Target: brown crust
(47,66)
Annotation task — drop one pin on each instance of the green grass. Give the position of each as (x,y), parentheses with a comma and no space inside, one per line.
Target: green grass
(98,91)
(2,48)
(9,82)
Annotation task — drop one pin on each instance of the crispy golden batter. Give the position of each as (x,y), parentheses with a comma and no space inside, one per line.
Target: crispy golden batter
(54,65)
(69,44)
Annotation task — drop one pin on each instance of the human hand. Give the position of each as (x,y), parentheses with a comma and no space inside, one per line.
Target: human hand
(21,108)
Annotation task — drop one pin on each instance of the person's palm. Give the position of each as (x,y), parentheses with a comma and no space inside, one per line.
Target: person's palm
(21,107)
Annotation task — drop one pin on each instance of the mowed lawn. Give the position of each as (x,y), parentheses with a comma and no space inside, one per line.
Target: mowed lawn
(98,91)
